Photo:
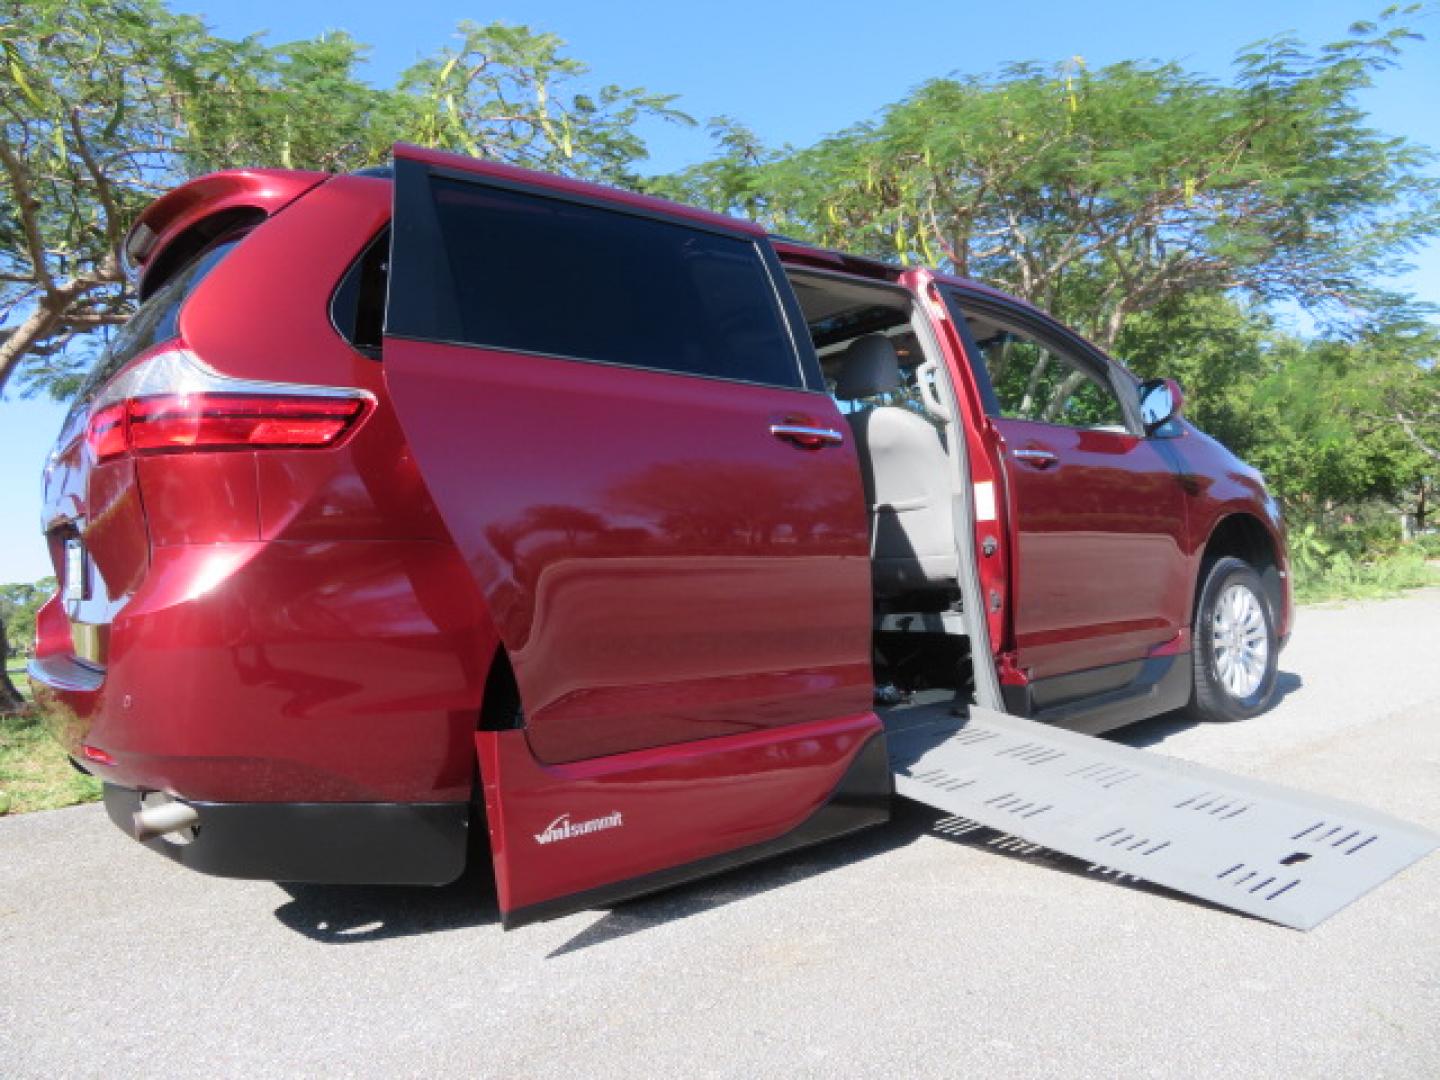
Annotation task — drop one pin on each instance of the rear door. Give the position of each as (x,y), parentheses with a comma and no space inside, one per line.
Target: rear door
(613,403)
(1097,511)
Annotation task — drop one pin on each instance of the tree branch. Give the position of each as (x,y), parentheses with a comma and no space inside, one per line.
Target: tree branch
(103,189)
(26,203)
(50,314)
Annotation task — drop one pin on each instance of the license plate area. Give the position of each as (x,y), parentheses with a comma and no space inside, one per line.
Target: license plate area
(77,576)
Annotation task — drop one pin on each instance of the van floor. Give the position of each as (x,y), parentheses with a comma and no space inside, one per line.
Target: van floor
(923,708)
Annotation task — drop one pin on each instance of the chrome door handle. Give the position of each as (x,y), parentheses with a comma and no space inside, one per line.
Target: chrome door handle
(1041,459)
(807,436)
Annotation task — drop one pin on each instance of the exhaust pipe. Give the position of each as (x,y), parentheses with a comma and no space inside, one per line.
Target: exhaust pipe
(164,818)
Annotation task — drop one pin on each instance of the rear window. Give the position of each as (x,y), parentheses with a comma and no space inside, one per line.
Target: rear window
(157,319)
(540,275)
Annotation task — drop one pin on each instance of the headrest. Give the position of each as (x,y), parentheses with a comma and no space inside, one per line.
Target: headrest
(869,366)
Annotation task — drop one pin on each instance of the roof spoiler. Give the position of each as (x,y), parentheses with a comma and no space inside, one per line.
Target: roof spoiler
(261,192)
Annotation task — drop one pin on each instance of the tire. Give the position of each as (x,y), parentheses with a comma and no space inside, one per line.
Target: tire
(1233,624)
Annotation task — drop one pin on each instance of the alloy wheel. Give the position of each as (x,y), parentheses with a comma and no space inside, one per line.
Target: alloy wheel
(1239,641)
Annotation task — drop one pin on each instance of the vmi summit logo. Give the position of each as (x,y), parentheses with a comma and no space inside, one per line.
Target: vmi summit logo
(562,828)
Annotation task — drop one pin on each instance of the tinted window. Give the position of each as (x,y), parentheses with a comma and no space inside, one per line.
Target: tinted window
(542,275)
(157,319)
(358,306)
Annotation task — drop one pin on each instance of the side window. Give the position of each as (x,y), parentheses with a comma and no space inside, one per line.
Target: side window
(358,307)
(548,276)
(1033,380)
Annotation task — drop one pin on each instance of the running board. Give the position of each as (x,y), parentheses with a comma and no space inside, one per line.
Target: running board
(1281,855)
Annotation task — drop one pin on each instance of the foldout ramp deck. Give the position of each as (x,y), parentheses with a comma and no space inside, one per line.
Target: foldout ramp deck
(1281,855)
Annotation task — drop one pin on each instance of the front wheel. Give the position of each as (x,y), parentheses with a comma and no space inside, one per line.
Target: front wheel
(1235,650)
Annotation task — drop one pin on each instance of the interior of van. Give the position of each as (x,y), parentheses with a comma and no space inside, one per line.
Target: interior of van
(884,371)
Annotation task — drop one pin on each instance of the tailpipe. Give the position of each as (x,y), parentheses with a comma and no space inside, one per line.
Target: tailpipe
(163,819)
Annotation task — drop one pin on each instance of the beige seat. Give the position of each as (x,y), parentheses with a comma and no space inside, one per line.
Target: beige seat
(906,473)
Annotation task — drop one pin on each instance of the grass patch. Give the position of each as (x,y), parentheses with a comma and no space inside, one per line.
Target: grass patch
(1343,577)
(35,774)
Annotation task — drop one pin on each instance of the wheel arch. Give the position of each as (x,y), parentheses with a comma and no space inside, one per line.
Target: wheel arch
(1244,536)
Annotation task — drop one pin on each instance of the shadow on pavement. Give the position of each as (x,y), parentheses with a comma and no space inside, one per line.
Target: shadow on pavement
(1159,728)
(1286,683)
(346,914)
(910,822)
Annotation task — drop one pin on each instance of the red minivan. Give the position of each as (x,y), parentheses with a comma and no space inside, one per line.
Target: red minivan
(457,493)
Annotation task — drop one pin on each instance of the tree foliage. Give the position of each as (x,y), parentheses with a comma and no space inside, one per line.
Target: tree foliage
(510,94)
(18,604)
(107,103)
(1160,211)
(1100,194)
(1164,214)
(1333,423)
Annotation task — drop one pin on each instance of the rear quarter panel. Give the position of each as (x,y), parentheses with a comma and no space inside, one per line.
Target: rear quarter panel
(252,319)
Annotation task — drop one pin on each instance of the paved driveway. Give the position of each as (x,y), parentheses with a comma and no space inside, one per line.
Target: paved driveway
(898,952)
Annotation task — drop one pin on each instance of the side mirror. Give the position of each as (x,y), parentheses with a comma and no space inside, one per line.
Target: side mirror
(1160,402)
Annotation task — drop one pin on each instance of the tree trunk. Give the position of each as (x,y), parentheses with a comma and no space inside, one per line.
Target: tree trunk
(11,700)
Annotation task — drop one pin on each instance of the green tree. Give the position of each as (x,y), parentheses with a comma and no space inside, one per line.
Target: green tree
(1220,350)
(1334,423)
(19,601)
(510,94)
(106,103)
(91,109)
(1101,194)
(1393,399)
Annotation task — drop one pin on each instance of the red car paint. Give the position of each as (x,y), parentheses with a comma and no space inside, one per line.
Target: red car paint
(1074,603)
(697,800)
(251,193)
(590,573)
(681,597)
(1100,576)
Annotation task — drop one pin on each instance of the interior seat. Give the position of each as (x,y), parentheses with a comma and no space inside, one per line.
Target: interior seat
(906,474)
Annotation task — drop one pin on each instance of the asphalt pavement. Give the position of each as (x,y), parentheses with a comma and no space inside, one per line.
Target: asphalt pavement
(899,952)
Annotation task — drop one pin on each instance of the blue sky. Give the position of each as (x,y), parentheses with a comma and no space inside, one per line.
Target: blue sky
(793,71)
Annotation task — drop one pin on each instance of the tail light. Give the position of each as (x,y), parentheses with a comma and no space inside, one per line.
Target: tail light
(95,754)
(170,401)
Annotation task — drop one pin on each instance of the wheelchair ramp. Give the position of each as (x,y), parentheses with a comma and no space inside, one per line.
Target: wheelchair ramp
(1281,855)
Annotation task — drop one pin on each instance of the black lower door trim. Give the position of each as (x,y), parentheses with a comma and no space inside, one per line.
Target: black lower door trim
(1159,684)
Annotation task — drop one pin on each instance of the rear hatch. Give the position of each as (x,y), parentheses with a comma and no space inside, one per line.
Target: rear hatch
(141,398)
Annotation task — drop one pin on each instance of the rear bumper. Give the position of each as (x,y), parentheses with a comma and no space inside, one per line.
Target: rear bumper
(324,843)
(280,673)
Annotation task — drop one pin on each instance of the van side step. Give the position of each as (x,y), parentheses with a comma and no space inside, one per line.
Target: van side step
(1281,855)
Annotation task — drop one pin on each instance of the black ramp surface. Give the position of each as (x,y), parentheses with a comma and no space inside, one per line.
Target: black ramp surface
(1282,855)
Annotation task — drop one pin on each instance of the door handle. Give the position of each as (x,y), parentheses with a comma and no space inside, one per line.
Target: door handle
(807,436)
(1039,459)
